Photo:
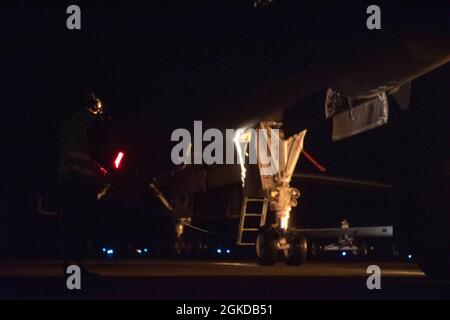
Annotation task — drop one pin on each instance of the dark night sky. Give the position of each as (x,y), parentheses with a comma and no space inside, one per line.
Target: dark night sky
(158,67)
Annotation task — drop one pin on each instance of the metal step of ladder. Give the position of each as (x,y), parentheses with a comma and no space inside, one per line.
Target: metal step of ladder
(250,228)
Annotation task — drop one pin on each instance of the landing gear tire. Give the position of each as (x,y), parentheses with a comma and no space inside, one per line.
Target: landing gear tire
(297,252)
(267,248)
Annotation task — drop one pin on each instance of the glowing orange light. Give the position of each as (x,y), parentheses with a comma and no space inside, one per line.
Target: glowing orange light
(118,160)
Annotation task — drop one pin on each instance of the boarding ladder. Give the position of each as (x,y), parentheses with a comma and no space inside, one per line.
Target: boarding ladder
(253,216)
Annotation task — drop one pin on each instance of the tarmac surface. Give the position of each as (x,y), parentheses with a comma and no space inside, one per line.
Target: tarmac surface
(190,280)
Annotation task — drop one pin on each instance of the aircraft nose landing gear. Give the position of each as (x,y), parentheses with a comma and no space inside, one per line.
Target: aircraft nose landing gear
(284,154)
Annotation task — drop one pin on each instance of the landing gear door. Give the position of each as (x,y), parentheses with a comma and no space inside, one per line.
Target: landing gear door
(354,115)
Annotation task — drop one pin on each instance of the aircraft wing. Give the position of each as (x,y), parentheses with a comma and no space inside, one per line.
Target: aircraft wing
(358,232)
(338,181)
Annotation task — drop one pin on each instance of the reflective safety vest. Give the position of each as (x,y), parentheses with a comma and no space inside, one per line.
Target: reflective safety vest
(75,161)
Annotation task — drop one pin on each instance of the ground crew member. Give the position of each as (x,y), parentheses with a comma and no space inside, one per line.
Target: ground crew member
(80,177)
